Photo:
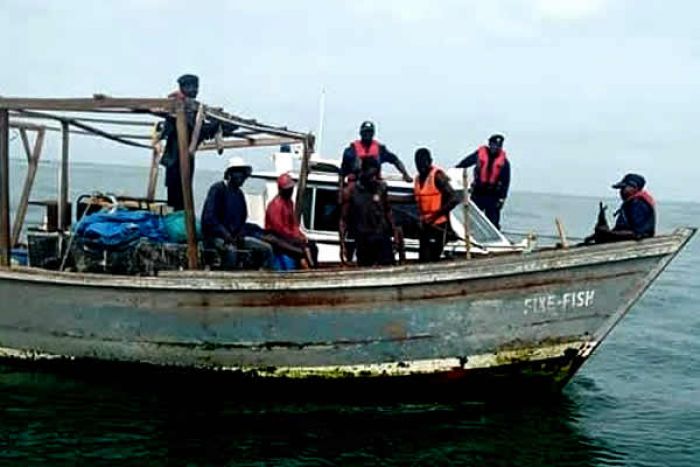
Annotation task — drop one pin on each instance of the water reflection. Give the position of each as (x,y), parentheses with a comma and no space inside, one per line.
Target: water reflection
(53,417)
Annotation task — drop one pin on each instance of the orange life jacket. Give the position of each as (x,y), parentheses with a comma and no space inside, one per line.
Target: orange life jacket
(486,178)
(428,197)
(362,152)
(646,196)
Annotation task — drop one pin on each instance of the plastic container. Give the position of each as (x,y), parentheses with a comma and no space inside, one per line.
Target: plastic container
(19,257)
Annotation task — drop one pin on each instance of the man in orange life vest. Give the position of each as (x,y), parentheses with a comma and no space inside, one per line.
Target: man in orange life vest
(491,178)
(636,218)
(435,198)
(367,146)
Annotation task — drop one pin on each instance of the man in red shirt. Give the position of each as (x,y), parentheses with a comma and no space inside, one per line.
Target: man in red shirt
(283,226)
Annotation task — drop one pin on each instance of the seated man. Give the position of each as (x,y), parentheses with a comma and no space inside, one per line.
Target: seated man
(636,218)
(224,218)
(366,214)
(283,230)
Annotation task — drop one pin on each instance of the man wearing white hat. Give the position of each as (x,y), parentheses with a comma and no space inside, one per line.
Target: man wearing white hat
(224,218)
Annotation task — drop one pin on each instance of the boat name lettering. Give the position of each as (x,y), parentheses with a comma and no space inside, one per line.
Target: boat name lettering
(559,302)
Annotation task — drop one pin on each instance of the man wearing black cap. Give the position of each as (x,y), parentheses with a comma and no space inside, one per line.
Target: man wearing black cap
(188,89)
(367,146)
(491,178)
(636,218)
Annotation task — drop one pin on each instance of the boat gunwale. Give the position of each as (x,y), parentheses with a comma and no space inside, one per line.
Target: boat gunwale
(348,278)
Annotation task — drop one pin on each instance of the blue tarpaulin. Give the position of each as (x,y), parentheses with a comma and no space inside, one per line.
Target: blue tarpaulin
(120,227)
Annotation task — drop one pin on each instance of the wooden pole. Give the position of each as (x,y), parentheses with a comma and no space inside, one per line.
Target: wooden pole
(562,234)
(303,176)
(194,138)
(25,143)
(156,154)
(183,148)
(4,188)
(63,194)
(33,164)
(466,203)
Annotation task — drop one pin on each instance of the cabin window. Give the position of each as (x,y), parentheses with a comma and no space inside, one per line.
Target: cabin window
(306,207)
(480,228)
(326,210)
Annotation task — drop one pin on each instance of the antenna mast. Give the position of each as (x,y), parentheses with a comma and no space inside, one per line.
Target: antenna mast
(321,116)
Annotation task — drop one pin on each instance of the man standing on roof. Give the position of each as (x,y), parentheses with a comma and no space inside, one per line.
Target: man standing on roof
(435,198)
(282,224)
(365,147)
(491,178)
(224,217)
(366,215)
(636,218)
(188,90)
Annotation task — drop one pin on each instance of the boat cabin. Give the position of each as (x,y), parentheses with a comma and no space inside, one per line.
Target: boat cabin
(320,212)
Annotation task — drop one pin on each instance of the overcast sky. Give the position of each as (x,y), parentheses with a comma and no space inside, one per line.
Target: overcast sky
(584,90)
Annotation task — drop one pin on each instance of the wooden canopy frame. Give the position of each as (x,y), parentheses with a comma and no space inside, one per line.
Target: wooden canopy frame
(21,112)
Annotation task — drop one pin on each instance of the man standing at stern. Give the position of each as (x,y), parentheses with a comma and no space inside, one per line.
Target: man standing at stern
(491,178)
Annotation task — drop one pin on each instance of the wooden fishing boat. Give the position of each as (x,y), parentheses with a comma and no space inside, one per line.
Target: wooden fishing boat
(528,314)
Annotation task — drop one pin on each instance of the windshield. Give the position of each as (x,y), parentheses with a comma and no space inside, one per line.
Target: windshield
(480,229)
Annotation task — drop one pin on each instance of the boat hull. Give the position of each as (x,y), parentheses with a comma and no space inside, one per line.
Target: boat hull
(541,314)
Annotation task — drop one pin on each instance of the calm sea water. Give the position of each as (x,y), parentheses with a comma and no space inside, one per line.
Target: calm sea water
(636,402)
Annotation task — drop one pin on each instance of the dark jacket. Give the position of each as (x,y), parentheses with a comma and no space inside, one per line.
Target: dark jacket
(369,212)
(224,213)
(638,216)
(171,155)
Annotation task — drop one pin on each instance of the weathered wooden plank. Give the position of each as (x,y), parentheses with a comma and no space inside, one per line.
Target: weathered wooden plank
(110,121)
(34,126)
(247,143)
(25,143)
(303,176)
(183,147)
(156,155)
(33,164)
(466,204)
(4,188)
(87,104)
(63,193)
(253,124)
(194,138)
